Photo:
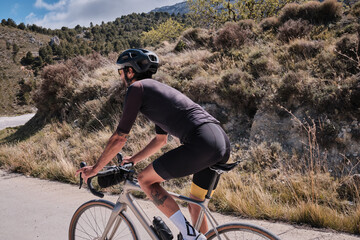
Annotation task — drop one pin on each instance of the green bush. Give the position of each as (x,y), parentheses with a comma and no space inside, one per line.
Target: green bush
(166,31)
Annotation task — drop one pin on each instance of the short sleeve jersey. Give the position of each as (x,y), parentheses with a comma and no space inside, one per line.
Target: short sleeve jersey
(170,110)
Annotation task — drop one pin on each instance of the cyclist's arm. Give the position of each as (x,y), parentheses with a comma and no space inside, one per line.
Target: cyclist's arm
(153,146)
(114,145)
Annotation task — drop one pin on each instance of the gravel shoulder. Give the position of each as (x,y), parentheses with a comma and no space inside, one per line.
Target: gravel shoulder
(31,208)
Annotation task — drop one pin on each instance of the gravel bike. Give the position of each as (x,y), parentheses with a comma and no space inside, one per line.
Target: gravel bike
(105,220)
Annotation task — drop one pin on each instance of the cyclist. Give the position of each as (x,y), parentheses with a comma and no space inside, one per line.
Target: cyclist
(204,143)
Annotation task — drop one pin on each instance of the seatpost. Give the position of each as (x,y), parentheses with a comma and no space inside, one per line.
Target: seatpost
(212,185)
(207,199)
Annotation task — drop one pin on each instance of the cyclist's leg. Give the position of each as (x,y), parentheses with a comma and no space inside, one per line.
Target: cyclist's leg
(198,191)
(203,178)
(149,182)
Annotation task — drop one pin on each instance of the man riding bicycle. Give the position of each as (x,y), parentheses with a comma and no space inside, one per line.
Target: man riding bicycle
(204,143)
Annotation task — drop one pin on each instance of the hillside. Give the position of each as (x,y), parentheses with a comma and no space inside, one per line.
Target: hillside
(286,90)
(14,44)
(40,47)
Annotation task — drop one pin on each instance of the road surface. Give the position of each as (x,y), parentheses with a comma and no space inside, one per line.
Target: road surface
(14,121)
(31,209)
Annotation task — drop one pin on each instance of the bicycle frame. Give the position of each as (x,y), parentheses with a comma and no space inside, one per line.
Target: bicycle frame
(127,199)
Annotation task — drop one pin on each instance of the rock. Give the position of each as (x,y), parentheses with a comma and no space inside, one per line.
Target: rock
(268,126)
(54,40)
(32,40)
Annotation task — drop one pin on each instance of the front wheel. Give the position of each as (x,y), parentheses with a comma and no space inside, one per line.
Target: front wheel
(240,231)
(90,219)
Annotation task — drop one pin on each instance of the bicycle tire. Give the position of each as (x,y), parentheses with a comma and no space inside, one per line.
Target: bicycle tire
(240,231)
(89,221)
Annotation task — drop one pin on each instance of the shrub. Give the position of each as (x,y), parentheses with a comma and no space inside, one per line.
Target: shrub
(329,11)
(189,72)
(193,38)
(294,29)
(271,23)
(169,30)
(261,63)
(232,35)
(240,90)
(313,11)
(56,93)
(355,9)
(290,11)
(305,48)
(293,88)
(56,88)
(347,45)
(347,51)
(326,133)
(247,24)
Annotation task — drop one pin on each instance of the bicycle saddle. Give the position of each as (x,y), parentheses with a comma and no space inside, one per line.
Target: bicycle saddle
(223,167)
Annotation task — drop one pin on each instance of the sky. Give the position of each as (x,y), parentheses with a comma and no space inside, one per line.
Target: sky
(69,13)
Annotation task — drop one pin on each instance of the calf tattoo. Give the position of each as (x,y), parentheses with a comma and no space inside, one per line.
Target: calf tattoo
(158,200)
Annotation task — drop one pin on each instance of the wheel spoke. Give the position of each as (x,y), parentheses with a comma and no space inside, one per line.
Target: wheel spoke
(90,220)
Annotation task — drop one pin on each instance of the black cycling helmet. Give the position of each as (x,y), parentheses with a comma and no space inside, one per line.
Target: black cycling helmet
(140,60)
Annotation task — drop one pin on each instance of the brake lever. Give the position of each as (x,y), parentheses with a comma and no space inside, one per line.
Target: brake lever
(82,164)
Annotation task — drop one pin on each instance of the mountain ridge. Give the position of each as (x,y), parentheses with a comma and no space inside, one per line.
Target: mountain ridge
(178,8)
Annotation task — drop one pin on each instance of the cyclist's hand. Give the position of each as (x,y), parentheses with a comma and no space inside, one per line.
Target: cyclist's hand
(87,172)
(127,159)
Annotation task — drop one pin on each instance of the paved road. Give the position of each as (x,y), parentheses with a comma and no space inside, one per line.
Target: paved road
(15,121)
(31,209)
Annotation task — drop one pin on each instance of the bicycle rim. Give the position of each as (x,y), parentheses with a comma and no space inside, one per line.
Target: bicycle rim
(239,231)
(90,219)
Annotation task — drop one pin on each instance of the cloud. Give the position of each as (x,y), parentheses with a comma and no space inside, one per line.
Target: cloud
(50,7)
(31,17)
(70,13)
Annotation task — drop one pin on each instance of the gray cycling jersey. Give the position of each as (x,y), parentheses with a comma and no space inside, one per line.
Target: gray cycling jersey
(170,110)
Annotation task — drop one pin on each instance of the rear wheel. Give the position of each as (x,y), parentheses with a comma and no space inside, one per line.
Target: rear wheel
(239,231)
(90,219)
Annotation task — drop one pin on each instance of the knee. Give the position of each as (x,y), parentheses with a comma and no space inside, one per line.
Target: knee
(144,181)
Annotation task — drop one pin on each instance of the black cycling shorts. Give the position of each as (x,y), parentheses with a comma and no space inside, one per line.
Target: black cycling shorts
(207,145)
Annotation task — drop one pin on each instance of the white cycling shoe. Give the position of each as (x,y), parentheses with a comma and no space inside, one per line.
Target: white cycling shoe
(200,237)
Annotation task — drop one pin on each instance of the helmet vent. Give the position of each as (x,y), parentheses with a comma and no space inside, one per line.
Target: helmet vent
(153,58)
